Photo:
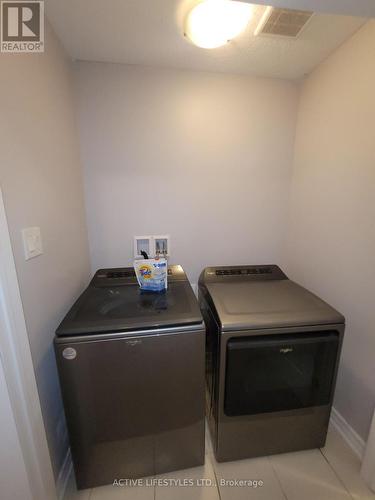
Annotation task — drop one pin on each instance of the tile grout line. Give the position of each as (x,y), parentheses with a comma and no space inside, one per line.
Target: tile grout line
(336,474)
(217,482)
(277,478)
(211,458)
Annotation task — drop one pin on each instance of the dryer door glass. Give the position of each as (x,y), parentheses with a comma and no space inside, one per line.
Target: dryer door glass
(279,372)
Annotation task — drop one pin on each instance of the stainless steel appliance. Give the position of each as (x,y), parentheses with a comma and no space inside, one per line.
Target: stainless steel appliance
(272,356)
(131,368)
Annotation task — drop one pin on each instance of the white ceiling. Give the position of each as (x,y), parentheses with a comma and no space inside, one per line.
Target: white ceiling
(150,32)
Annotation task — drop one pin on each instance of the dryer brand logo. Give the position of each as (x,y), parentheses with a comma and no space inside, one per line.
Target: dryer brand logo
(22,26)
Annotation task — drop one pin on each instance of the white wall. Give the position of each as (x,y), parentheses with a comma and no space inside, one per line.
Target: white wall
(41,179)
(13,476)
(204,157)
(331,242)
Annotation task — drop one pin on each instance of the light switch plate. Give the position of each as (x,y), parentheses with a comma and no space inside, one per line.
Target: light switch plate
(32,242)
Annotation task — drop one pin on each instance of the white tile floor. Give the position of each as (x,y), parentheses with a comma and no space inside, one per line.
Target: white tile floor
(328,474)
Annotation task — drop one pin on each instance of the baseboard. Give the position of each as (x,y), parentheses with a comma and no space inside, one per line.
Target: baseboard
(352,438)
(64,474)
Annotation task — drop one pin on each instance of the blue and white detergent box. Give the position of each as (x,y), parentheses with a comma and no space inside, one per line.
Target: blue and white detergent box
(152,274)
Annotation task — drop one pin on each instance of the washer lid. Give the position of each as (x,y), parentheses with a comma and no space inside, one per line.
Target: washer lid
(106,309)
(268,304)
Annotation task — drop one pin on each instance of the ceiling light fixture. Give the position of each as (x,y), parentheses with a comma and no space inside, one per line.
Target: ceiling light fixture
(213,23)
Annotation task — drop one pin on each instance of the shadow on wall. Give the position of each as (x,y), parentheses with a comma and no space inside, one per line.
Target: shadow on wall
(348,385)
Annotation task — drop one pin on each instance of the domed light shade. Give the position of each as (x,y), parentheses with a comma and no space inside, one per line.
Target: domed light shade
(213,23)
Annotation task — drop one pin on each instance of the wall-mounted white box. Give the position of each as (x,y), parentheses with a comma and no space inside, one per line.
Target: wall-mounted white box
(142,243)
(154,246)
(162,245)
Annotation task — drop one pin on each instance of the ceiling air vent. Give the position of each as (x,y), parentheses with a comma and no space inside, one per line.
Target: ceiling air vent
(283,22)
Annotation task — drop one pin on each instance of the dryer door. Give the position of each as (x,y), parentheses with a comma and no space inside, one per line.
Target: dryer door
(279,372)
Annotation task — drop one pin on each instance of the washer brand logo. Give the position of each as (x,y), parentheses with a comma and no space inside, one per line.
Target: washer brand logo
(133,342)
(22,26)
(285,350)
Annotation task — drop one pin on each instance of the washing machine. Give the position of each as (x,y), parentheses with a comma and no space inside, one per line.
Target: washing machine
(272,353)
(131,368)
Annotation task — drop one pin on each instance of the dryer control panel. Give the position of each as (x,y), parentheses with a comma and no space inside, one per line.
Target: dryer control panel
(244,273)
